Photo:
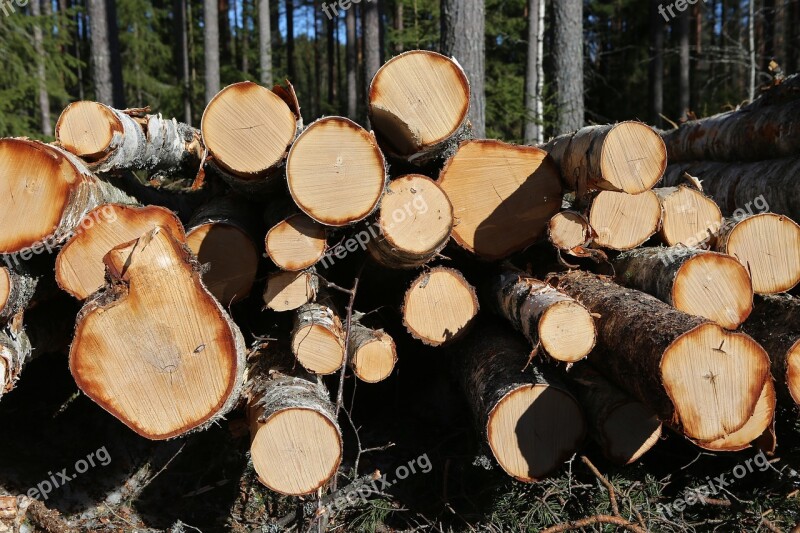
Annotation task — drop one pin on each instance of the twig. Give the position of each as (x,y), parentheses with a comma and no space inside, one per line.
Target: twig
(611,493)
(597,519)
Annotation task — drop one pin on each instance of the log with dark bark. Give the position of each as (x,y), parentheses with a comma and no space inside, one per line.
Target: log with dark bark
(688,216)
(775,323)
(318,339)
(626,157)
(155,348)
(547,317)
(701,283)
(503,196)
(623,221)
(531,421)
(372,353)
(287,291)
(624,428)
(414,220)
(699,378)
(295,441)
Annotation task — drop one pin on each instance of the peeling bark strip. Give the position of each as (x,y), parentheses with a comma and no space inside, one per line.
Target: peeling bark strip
(688,216)
(768,245)
(295,441)
(741,187)
(287,291)
(545,315)
(15,353)
(418,105)
(623,221)
(530,420)
(624,428)
(372,353)
(18,286)
(109,139)
(706,284)
(628,157)
(318,339)
(178,368)
(775,323)
(697,377)
(65,191)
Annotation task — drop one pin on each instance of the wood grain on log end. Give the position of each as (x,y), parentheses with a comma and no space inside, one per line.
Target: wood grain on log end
(296,243)
(87,129)
(372,354)
(287,291)
(624,221)
(318,339)
(689,217)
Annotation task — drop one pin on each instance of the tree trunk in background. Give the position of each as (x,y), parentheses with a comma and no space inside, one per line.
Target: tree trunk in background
(463,37)
(41,75)
(683,23)
(399,26)
(211,45)
(792,36)
(100,52)
(568,52)
(751,39)
(373,47)
(316,75)
(656,74)
(182,53)
(117,87)
(769,33)
(247,15)
(290,40)
(264,43)
(533,81)
(333,77)
(352,78)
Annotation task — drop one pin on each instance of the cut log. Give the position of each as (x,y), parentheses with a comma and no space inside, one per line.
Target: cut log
(530,420)
(624,428)
(706,284)
(415,220)
(624,221)
(155,349)
(775,323)
(418,104)
(295,441)
(546,316)
(18,285)
(697,377)
(287,291)
(569,231)
(109,139)
(372,354)
(503,196)
(46,192)
(248,129)
(336,173)
(318,339)
(626,157)
(688,216)
(296,243)
(768,245)
(79,266)
(221,234)
(439,306)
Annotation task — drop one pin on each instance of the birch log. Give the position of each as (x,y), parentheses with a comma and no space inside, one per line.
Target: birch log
(372,353)
(318,339)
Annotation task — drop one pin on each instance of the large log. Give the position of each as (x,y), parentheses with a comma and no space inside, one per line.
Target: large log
(768,245)
(530,420)
(688,216)
(46,194)
(626,157)
(418,104)
(775,323)
(546,316)
(295,441)
(335,172)
(706,284)
(109,139)
(698,377)
(623,221)
(503,196)
(155,349)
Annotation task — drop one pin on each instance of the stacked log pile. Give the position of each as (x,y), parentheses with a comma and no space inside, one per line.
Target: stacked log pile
(656,326)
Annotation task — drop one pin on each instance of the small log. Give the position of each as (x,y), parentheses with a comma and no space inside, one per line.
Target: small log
(701,283)
(699,378)
(415,220)
(318,339)
(79,266)
(109,139)
(418,104)
(439,306)
(155,349)
(530,420)
(296,243)
(221,234)
(295,441)
(546,316)
(768,245)
(18,286)
(15,352)
(570,232)
(688,216)
(624,221)
(624,428)
(372,354)
(48,191)
(626,157)
(503,196)
(248,130)
(775,323)
(287,291)
(335,171)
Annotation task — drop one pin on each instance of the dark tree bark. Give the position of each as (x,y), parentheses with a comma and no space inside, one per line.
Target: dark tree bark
(351,60)
(769,33)
(568,52)
(290,67)
(211,45)
(264,43)
(533,76)
(182,53)
(399,27)
(373,47)
(463,37)
(683,23)
(106,64)
(656,72)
